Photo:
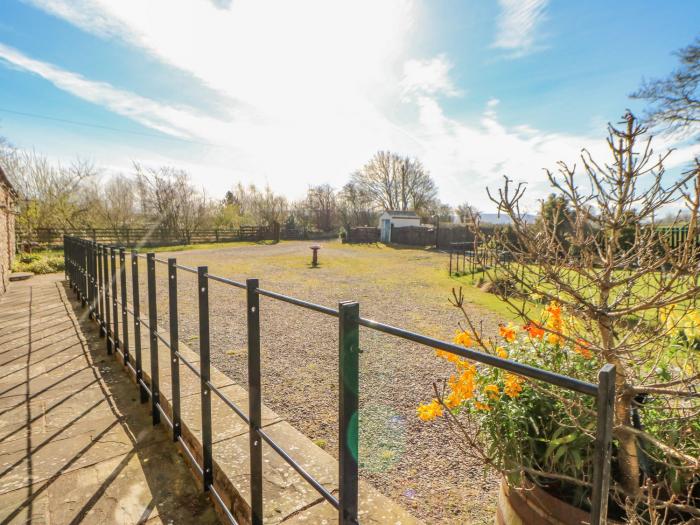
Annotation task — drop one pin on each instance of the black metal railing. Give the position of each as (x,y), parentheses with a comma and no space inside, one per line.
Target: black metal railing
(91,269)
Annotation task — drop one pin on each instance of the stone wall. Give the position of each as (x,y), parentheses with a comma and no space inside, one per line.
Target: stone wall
(8,199)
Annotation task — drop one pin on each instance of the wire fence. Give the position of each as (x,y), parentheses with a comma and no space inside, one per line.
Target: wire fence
(97,274)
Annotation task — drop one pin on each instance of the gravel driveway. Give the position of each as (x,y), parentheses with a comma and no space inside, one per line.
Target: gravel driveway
(410,461)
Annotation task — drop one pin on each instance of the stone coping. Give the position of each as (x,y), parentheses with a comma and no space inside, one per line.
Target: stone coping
(287,497)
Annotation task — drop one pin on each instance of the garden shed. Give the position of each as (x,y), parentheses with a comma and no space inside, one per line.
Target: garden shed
(396,219)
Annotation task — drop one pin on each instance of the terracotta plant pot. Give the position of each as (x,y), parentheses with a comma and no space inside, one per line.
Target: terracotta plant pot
(534,506)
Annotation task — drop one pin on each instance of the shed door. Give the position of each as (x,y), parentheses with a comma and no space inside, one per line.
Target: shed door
(385,235)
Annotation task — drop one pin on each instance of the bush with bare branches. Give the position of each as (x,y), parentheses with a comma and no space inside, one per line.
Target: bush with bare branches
(611,287)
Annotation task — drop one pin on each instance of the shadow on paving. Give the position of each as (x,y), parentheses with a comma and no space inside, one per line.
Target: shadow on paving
(76,445)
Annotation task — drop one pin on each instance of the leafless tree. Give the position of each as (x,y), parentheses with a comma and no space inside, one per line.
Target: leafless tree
(617,274)
(675,101)
(264,207)
(170,200)
(356,206)
(50,194)
(321,201)
(396,183)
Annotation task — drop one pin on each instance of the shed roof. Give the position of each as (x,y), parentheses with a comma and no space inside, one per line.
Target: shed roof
(405,214)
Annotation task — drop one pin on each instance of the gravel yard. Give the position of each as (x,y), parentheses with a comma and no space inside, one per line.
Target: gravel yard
(410,461)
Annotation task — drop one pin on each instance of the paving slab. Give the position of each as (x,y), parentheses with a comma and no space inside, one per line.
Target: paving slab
(76,444)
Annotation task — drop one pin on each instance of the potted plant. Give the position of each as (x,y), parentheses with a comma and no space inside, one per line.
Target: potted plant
(598,280)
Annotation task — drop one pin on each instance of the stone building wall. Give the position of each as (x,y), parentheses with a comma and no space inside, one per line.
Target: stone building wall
(8,198)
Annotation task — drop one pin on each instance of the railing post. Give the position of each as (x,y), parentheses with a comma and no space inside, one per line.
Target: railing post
(108,306)
(88,279)
(254,402)
(204,369)
(125,317)
(95,288)
(153,326)
(349,368)
(174,347)
(115,311)
(100,288)
(136,302)
(603,442)
(66,256)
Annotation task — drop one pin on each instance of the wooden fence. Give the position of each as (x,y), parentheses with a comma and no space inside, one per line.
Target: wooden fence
(132,237)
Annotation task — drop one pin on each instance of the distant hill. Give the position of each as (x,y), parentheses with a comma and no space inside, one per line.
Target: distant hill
(493,218)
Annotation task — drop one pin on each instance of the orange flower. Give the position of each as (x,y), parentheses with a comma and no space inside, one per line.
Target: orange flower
(482,406)
(452,400)
(534,330)
(553,309)
(449,356)
(492,391)
(463,338)
(508,332)
(463,386)
(501,352)
(429,411)
(582,348)
(513,386)
(554,339)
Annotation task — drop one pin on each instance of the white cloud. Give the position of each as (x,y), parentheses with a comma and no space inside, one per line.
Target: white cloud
(314,89)
(428,77)
(167,119)
(518,25)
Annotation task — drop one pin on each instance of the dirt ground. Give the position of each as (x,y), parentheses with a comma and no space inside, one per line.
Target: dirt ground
(408,460)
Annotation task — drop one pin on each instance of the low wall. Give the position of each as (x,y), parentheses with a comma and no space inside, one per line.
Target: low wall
(288,497)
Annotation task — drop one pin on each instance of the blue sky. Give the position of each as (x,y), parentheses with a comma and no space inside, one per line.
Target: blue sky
(299,93)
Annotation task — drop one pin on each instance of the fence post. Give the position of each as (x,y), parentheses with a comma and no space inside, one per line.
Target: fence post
(108,306)
(254,401)
(95,282)
(115,311)
(153,325)
(125,317)
(603,441)
(174,347)
(349,369)
(204,369)
(136,302)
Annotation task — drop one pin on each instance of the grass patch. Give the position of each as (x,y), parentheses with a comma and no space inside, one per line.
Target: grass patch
(49,261)
(206,246)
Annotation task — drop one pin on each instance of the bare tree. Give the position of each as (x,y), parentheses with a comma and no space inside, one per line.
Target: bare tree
(264,207)
(170,201)
(356,205)
(51,194)
(396,183)
(321,201)
(466,211)
(675,101)
(616,273)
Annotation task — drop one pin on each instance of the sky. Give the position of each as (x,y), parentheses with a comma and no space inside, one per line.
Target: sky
(298,93)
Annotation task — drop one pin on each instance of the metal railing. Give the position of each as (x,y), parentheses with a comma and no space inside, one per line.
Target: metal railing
(94,275)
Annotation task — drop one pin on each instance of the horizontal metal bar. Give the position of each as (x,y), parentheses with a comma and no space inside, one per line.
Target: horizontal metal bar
(186,268)
(228,402)
(488,359)
(222,505)
(166,343)
(188,364)
(145,386)
(299,302)
(225,280)
(162,413)
(161,261)
(128,363)
(190,456)
(309,479)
